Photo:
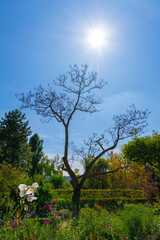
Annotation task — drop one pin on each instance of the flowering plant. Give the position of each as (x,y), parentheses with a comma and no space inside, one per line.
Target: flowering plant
(53,217)
(28,191)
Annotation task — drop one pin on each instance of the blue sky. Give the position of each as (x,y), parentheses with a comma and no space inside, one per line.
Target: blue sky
(40,39)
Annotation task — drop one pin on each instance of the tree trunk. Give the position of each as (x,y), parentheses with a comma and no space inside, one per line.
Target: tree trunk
(75,202)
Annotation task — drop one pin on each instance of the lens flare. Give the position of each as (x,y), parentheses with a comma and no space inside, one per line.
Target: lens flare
(96,38)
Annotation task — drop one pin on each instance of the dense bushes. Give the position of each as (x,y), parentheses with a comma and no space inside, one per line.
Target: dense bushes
(10,178)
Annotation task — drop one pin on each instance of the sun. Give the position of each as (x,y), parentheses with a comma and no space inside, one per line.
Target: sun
(96,38)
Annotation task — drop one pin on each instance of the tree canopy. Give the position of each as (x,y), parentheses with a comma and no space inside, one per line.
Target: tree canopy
(145,150)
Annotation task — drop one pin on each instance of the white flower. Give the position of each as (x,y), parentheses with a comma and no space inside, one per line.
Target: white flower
(30,198)
(28,191)
(22,188)
(32,189)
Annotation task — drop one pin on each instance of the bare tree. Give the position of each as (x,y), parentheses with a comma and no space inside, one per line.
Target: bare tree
(76,94)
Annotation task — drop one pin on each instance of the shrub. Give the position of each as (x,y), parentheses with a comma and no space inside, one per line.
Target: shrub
(57,181)
(10,178)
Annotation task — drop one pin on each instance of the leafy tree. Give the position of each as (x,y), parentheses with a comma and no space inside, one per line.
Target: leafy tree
(76,94)
(97,182)
(36,148)
(47,166)
(129,176)
(121,175)
(14,131)
(144,150)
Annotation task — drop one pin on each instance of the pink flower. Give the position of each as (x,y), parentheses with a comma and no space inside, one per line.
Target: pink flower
(46,222)
(59,213)
(14,224)
(54,203)
(50,222)
(48,207)
(20,223)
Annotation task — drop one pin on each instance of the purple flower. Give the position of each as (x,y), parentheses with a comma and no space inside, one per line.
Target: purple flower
(20,223)
(54,202)
(59,213)
(45,207)
(14,224)
(50,222)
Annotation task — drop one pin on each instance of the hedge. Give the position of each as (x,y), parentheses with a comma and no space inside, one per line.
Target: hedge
(104,197)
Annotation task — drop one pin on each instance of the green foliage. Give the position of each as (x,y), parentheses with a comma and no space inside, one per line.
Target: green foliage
(110,199)
(27,229)
(44,193)
(100,166)
(57,181)
(100,194)
(134,222)
(145,150)
(36,148)
(10,178)
(14,131)
(47,167)
(39,229)
(91,224)
(128,176)
(137,220)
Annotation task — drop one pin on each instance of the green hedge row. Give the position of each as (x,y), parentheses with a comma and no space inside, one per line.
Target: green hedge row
(109,204)
(109,199)
(100,194)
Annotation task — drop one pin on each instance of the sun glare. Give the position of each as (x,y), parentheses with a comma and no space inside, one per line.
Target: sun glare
(96,38)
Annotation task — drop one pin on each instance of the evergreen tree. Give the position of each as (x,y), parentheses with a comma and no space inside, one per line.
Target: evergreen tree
(14,131)
(36,148)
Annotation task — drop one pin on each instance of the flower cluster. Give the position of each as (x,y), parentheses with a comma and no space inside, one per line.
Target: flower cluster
(28,191)
(54,216)
(47,207)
